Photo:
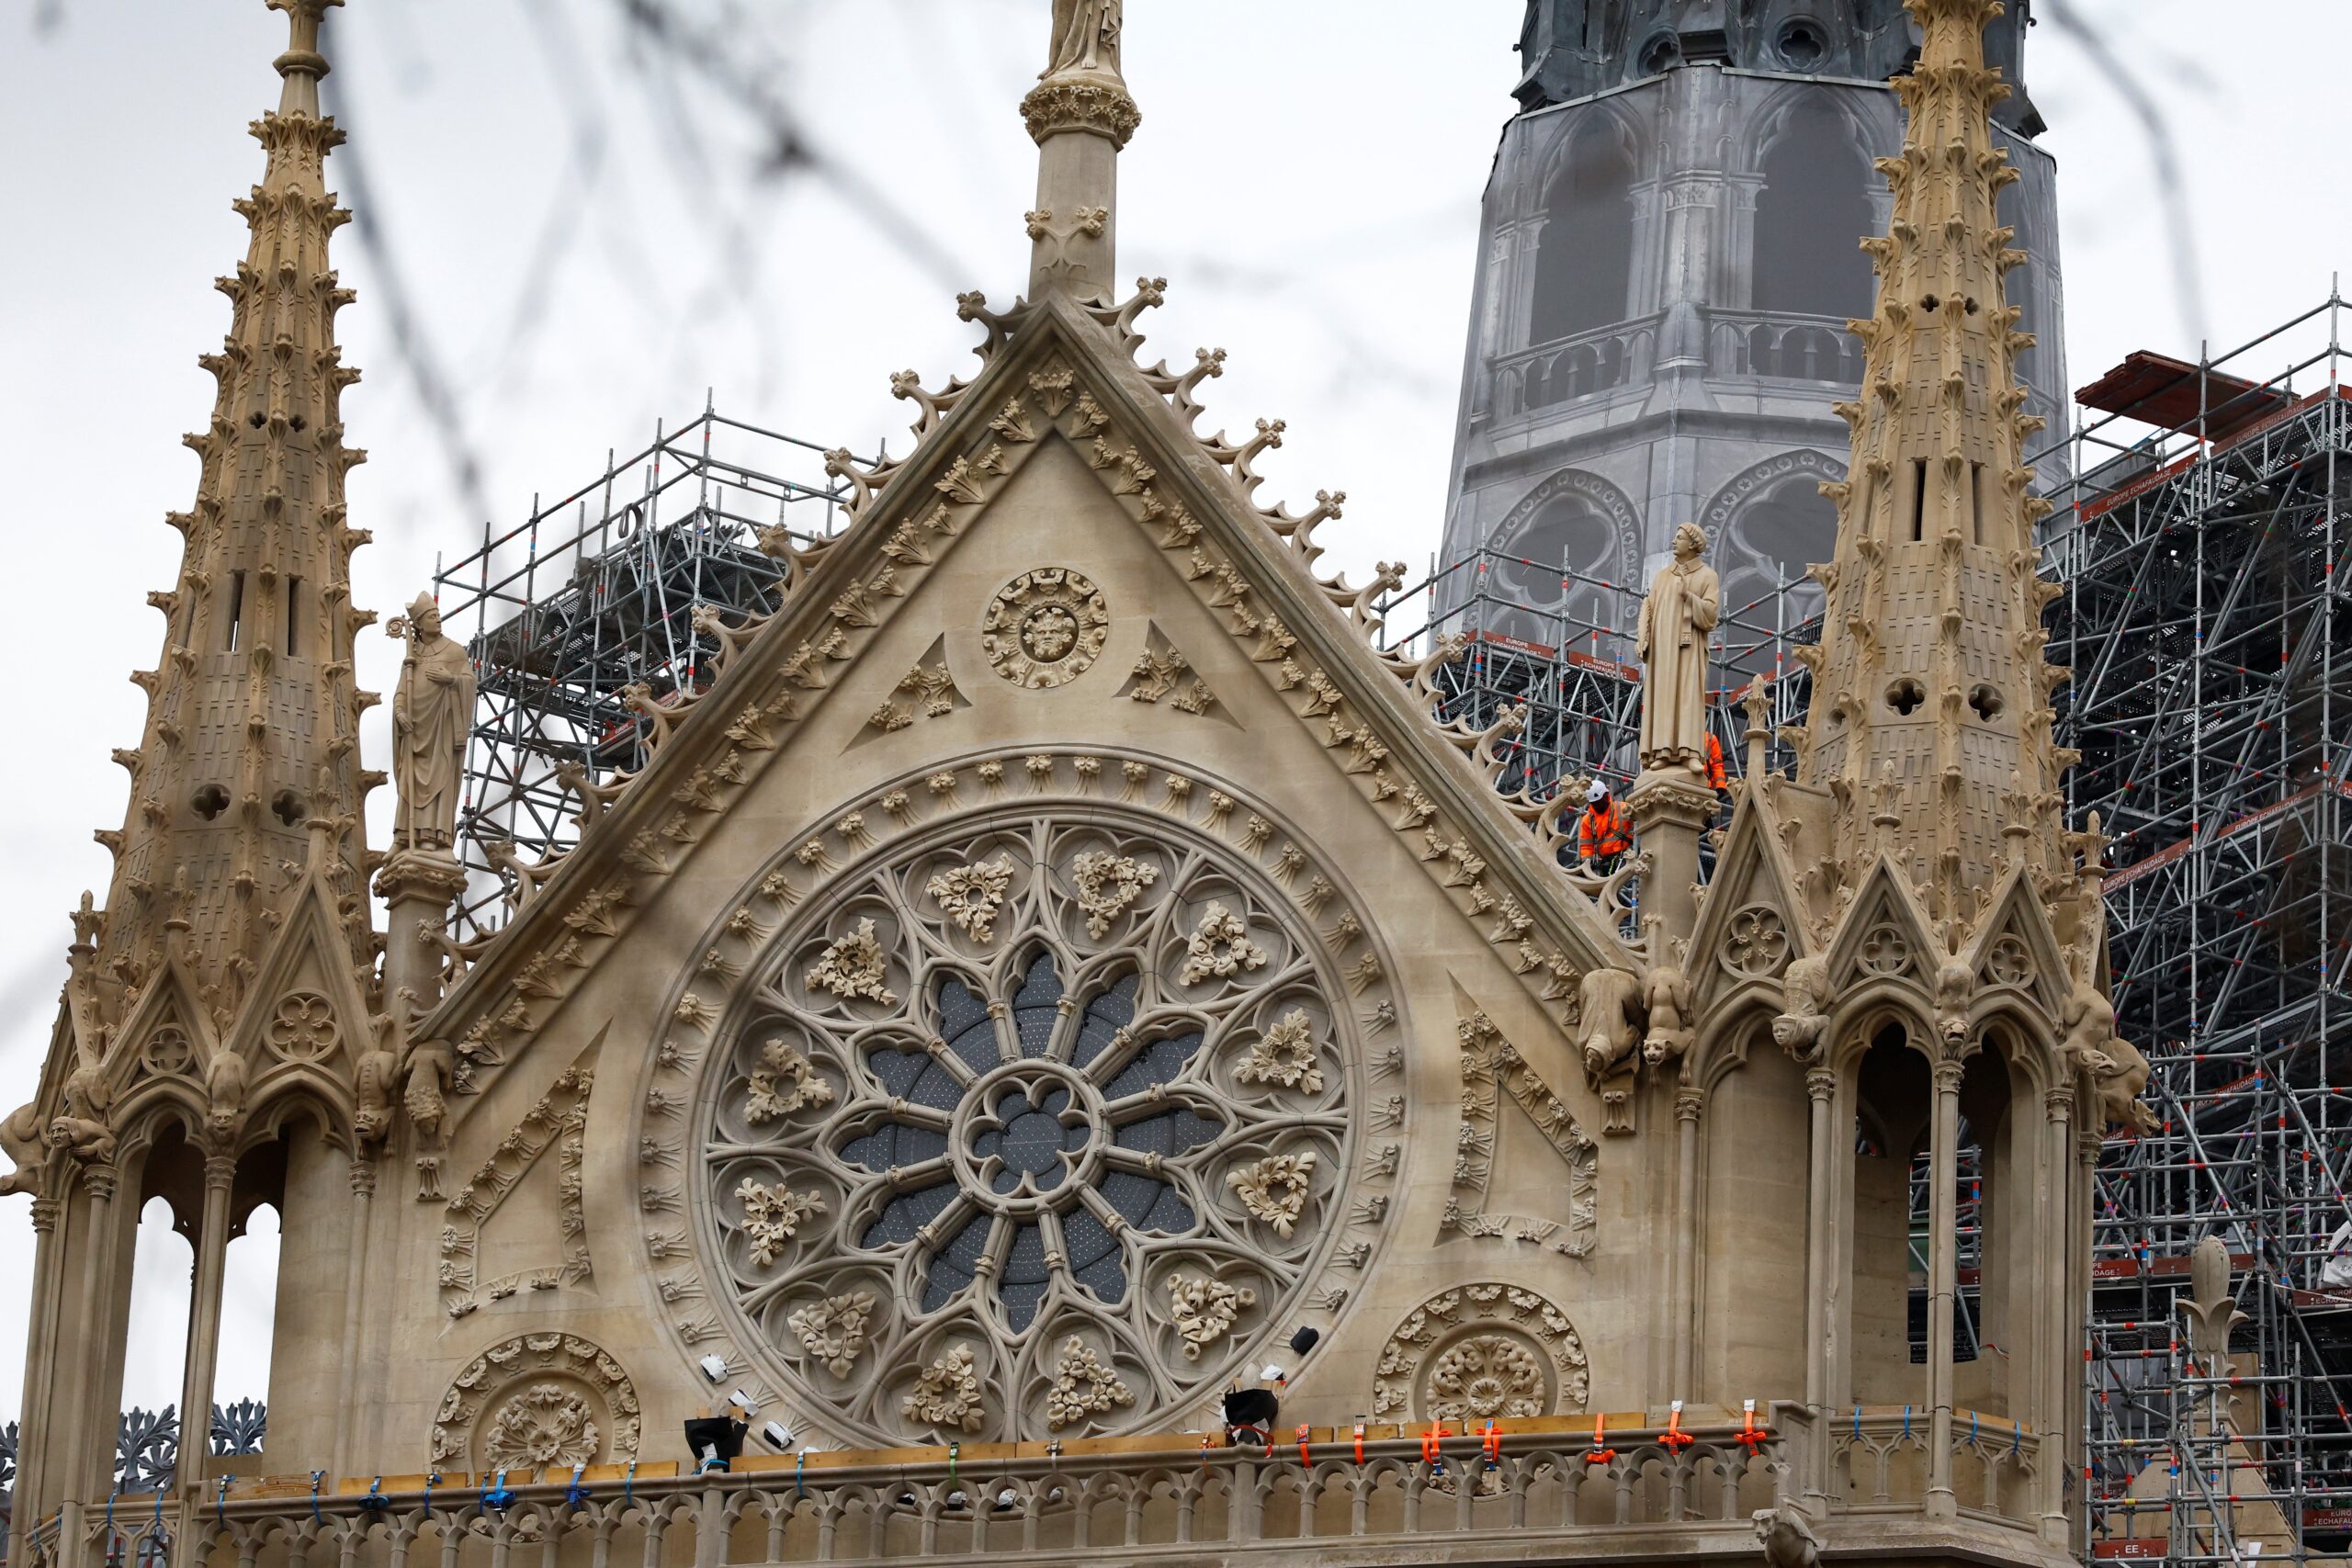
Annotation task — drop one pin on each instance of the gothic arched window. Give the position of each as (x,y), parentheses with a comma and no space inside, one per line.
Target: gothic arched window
(1769,543)
(1811,215)
(1584,263)
(1550,566)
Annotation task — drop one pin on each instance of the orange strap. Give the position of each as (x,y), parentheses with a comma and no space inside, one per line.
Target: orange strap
(1493,1445)
(1430,1441)
(1302,1443)
(1598,1454)
(1359,1442)
(1675,1439)
(1751,1436)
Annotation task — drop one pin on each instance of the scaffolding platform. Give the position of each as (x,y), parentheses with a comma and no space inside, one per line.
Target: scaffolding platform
(595,593)
(2202,550)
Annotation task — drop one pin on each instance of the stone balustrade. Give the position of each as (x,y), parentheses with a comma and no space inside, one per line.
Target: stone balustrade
(1546,1477)
(1550,1479)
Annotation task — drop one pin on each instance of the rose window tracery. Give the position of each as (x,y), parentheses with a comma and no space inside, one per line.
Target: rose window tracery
(1035,1174)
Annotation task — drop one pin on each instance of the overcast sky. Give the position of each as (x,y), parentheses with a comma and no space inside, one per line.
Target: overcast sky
(588,234)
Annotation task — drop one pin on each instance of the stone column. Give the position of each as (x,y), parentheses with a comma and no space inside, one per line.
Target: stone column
(355,1292)
(417,887)
(1943,1281)
(41,1354)
(2056,1414)
(89,1431)
(1821,1261)
(203,1355)
(1688,1104)
(1670,810)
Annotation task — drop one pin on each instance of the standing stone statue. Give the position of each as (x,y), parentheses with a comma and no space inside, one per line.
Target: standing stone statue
(433,711)
(1086,36)
(1683,606)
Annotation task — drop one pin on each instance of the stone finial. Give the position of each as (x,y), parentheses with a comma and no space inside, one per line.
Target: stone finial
(301,65)
(1080,115)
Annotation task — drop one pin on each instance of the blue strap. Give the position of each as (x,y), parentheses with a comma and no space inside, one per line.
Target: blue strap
(110,1498)
(575,1495)
(430,1483)
(219,1504)
(374,1501)
(316,1476)
(2016,1438)
(496,1495)
(800,1469)
(1906,1420)
(628,1487)
(1858,1420)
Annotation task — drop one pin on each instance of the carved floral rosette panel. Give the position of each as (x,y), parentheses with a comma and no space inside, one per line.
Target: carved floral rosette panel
(1029,1114)
(1480,1352)
(534,1402)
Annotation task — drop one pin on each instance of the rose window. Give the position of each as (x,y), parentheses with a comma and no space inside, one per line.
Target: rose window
(1024,1120)
(1028,1128)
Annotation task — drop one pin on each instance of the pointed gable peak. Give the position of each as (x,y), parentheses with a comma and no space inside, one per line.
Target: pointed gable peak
(1058,372)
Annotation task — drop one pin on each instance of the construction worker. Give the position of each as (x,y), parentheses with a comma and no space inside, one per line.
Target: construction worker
(1717,780)
(1604,832)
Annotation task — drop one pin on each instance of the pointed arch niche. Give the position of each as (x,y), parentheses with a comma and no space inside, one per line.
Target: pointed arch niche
(1584,258)
(1812,210)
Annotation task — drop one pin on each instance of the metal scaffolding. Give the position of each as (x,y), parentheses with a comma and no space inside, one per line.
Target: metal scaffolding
(1574,670)
(595,593)
(2212,702)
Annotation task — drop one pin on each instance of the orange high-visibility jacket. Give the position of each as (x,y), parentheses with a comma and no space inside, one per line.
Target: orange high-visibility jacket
(1715,775)
(1605,832)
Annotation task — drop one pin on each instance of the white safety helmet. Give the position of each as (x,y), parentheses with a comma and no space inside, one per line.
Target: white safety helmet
(1598,791)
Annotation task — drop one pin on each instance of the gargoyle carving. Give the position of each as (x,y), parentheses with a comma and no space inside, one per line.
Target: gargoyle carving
(1787,1537)
(429,1067)
(224,1092)
(1954,981)
(1667,992)
(20,1140)
(376,1081)
(2118,1071)
(1805,989)
(1608,1004)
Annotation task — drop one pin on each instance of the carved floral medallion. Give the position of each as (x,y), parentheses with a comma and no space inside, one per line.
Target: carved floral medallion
(1481,1351)
(535,1401)
(1028,1121)
(1045,627)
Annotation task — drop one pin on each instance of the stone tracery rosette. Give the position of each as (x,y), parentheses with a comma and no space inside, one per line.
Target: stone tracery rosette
(537,1401)
(1048,1134)
(1478,1352)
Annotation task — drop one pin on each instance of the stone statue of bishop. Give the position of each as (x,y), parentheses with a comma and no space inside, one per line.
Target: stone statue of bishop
(433,711)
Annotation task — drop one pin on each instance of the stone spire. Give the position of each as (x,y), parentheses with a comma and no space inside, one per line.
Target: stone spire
(1930,718)
(253,713)
(1080,115)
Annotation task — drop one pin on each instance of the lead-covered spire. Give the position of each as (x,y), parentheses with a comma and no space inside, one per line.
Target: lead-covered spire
(1080,115)
(253,711)
(1930,716)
